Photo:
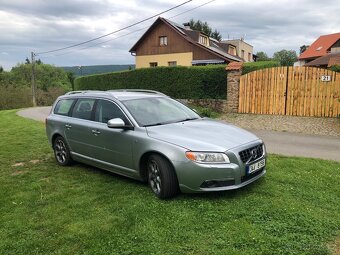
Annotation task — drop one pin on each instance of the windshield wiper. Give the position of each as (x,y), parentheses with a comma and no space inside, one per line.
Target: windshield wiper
(156,124)
(168,122)
(187,119)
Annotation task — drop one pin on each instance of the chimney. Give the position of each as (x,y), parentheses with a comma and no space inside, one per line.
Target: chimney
(187,26)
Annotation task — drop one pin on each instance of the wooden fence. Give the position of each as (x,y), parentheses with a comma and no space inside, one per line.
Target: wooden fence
(299,91)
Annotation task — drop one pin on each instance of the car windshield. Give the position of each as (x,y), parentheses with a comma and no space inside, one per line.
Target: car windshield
(158,111)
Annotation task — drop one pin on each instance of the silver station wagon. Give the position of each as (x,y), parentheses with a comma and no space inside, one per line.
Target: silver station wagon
(148,136)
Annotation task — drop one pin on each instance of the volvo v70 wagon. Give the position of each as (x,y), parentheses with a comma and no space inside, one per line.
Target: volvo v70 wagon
(148,136)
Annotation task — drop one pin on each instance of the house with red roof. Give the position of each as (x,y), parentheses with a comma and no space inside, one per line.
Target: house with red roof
(324,51)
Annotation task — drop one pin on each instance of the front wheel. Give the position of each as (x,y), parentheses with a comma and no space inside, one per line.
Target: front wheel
(162,177)
(61,152)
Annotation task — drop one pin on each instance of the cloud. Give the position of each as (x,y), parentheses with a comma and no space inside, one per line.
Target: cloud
(39,25)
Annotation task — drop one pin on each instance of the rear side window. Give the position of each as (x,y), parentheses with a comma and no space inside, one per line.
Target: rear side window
(83,109)
(63,106)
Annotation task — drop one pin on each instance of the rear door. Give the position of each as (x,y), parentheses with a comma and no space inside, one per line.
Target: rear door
(78,127)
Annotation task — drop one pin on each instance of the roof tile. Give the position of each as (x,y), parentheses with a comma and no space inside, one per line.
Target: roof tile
(320,46)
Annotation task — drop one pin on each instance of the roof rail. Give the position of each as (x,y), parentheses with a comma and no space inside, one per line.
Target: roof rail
(83,92)
(137,90)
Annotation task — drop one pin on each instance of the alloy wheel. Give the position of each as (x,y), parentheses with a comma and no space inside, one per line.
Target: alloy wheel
(154,177)
(60,151)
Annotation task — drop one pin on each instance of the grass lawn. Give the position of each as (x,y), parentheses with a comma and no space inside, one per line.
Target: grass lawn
(47,209)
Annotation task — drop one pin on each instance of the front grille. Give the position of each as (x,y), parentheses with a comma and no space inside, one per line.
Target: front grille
(251,154)
(252,175)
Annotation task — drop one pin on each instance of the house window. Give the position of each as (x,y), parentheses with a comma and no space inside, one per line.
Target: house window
(153,64)
(249,57)
(172,63)
(203,40)
(232,50)
(242,54)
(163,41)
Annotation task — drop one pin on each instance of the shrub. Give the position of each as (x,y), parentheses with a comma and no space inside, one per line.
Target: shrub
(253,66)
(178,82)
(21,97)
(335,68)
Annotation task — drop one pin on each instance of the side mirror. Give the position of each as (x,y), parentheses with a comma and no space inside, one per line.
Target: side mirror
(118,123)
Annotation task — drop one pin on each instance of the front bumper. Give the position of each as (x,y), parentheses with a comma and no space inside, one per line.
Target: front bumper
(197,177)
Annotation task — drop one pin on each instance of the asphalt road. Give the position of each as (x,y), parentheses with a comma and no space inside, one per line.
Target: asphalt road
(284,143)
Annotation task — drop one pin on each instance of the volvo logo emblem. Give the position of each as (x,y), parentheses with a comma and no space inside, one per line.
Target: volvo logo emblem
(253,153)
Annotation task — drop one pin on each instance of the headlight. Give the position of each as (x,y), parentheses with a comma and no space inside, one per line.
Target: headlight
(207,157)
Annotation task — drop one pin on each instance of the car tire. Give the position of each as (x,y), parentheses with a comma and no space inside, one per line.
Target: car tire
(162,177)
(62,152)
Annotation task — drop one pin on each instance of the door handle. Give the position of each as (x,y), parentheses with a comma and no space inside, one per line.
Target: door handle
(95,132)
(68,126)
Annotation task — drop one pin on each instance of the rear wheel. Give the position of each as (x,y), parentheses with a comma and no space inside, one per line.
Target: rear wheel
(61,152)
(162,177)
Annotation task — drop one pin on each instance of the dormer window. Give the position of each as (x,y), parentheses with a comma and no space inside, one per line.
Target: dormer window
(232,50)
(163,41)
(203,40)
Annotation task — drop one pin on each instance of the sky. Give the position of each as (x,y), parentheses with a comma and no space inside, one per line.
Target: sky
(44,25)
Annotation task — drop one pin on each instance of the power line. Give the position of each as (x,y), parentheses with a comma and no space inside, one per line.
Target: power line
(121,29)
(192,9)
(135,31)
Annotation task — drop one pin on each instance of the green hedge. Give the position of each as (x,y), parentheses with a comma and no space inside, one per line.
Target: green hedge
(335,68)
(253,66)
(178,82)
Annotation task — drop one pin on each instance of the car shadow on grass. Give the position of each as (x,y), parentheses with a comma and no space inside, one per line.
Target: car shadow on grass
(216,195)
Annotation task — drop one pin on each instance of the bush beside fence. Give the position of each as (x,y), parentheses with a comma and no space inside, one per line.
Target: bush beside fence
(253,66)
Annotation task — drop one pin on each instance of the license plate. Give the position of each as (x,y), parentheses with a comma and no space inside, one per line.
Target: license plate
(256,166)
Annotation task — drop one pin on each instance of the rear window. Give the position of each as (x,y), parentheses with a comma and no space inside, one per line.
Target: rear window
(63,106)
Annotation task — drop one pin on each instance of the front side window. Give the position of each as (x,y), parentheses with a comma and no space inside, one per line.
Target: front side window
(63,106)
(106,111)
(158,111)
(153,64)
(163,41)
(83,109)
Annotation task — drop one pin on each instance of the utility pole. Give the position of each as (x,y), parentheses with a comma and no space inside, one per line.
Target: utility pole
(34,101)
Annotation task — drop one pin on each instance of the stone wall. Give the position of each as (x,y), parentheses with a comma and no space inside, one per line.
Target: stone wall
(218,105)
(234,72)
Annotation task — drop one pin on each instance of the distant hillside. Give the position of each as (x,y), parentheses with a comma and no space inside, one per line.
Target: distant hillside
(88,70)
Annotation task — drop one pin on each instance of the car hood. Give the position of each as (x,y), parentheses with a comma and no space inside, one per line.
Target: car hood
(202,135)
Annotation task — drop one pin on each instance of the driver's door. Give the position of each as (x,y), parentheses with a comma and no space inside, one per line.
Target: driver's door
(113,145)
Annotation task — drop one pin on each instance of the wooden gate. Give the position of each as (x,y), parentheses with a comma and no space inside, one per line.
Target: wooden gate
(299,91)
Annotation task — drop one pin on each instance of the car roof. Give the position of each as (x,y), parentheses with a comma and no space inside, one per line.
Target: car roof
(121,95)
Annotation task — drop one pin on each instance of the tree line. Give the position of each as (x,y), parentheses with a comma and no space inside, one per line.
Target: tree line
(15,85)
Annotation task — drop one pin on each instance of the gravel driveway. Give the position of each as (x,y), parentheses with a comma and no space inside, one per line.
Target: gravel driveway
(292,124)
(285,135)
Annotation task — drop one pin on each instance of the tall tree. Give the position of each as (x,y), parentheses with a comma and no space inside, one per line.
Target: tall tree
(205,28)
(285,57)
(262,56)
(303,48)
(46,76)
(1,69)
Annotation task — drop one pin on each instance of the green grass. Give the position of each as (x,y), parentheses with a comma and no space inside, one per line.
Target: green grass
(47,209)
(205,111)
